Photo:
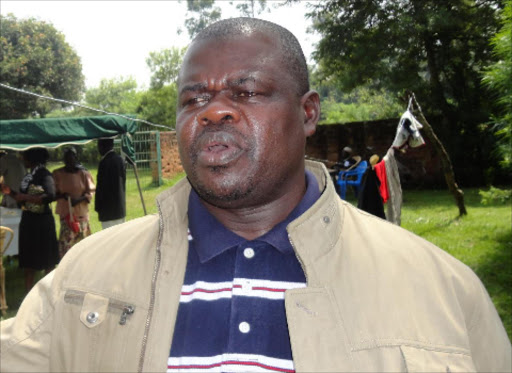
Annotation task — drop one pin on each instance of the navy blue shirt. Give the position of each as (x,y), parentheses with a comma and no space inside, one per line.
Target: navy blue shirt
(231,315)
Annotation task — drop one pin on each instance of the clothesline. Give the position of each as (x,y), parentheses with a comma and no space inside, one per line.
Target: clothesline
(80,105)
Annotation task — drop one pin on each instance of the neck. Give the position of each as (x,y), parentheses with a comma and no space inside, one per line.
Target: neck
(253,222)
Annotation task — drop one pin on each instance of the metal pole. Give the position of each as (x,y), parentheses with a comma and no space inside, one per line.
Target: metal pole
(138,184)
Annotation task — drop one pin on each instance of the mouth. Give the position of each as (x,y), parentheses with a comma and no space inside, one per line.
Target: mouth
(218,149)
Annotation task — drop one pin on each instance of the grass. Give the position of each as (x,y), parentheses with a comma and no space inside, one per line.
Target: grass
(482,239)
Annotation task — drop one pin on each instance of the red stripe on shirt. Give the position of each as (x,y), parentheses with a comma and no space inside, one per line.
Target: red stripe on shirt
(197,366)
(200,290)
(269,289)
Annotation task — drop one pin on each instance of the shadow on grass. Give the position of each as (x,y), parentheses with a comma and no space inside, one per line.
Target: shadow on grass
(443,224)
(15,284)
(495,271)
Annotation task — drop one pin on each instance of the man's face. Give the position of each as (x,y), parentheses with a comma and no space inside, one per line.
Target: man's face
(240,122)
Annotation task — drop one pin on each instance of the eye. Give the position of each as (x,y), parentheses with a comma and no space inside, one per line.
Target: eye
(196,100)
(246,94)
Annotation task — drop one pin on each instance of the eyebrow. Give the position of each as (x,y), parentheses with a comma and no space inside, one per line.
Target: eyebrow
(193,87)
(238,82)
(202,86)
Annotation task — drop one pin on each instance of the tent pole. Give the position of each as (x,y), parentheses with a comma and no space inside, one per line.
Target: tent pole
(138,184)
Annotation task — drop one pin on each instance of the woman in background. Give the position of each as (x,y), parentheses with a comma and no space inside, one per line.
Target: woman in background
(38,247)
(75,187)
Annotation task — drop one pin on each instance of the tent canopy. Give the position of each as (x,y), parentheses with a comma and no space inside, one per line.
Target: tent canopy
(22,134)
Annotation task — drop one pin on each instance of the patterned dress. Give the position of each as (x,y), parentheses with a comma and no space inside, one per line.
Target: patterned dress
(75,184)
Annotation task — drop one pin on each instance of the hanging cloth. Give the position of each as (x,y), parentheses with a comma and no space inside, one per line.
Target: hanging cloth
(380,170)
(408,131)
(394,205)
(369,198)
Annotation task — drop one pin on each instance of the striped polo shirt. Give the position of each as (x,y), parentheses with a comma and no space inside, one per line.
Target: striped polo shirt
(231,316)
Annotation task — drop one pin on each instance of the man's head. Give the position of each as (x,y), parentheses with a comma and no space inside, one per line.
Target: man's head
(346,152)
(35,156)
(104,145)
(70,159)
(244,112)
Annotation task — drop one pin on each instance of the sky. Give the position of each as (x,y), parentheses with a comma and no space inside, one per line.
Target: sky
(114,38)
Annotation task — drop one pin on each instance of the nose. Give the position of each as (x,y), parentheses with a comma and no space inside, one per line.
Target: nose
(218,111)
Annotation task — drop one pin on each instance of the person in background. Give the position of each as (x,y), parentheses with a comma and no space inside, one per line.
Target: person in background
(38,247)
(12,170)
(75,187)
(349,160)
(110,200)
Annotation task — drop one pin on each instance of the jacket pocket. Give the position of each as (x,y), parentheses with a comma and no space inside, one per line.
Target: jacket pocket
(96,333)
(423,360)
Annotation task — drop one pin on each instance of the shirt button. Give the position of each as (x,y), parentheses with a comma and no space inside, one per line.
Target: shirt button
(248,253)
(244,327)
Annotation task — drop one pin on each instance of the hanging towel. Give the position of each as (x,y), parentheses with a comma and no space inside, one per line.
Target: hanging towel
(380,170)
(394,205)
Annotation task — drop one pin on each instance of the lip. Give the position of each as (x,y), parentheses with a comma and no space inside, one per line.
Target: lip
(217,149)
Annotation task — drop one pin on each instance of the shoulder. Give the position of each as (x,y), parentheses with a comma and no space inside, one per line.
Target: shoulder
(43,172)
(85,172)
(58,171)
(400,257)
(389,241)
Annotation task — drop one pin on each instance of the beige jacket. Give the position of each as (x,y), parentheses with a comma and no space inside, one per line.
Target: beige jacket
(378,299)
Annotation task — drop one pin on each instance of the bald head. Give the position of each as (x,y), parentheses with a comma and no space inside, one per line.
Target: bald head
(287,44)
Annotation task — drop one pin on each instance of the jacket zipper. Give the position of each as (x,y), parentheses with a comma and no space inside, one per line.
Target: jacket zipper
(153,291)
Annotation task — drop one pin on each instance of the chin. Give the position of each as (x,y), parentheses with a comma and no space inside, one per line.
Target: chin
(227,195)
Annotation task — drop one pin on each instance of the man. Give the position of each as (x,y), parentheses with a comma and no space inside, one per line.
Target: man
(12,170)
(254,263)
(110,201)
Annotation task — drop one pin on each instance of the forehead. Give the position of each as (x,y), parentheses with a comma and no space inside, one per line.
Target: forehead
(225,58)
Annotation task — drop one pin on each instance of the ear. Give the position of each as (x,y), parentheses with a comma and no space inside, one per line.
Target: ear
(310,103)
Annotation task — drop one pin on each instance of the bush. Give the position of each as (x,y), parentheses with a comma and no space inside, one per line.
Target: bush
(495,196)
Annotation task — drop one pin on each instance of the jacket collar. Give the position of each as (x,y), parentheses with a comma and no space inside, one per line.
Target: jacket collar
(205,229)
(313,234)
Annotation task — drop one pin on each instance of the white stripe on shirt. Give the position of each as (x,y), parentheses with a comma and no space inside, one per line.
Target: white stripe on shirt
(229,363)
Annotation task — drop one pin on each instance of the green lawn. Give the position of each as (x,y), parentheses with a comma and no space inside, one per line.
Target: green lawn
(482,239)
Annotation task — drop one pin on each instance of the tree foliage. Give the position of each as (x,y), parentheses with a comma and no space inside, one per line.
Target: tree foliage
(165,66)
(437,49)
(34,56)
(158,104)
(116,95)
(361,104)
(498,78)
(251,8)
(201,13)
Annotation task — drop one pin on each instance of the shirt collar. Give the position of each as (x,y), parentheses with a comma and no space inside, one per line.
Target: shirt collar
(211,238)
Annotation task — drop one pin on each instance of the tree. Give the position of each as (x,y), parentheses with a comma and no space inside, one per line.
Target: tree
(435,48)
(498,78)
(158,104)
(201,13)
(165,66)
(250,8)
(34,56)
(117,95)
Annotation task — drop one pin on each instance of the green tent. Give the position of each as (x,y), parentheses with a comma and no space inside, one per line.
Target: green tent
(22,134)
